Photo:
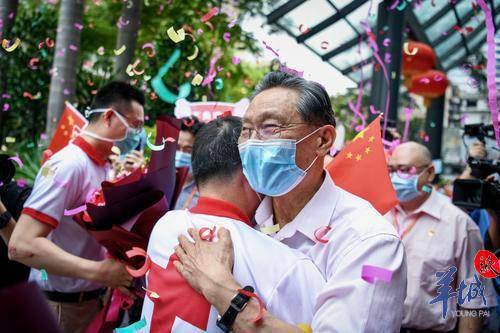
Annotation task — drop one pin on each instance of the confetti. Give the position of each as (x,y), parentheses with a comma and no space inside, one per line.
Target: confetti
(211,13)
(116,150)
(49,43)
(17,160)
(152,294)
(207,234)
(303,29)
(219,84)
(161,89)
(371,273)
(154,147)
(44,276)
(10,139)
(10,47)
(120,50)
(270,230)
(133,328)
(176,36)
(21,182)
(152,51)
(33,62)
(194,55)
(196,81)
(271,49)
(490,68)
(227,37)
(386,42)
(235,60)
(74,211)
(407,51)
(100,50)
(324,45)
(78,26)
(320,233)
(138,252)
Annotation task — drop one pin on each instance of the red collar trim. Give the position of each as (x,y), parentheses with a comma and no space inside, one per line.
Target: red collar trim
(87,148)
(210,206)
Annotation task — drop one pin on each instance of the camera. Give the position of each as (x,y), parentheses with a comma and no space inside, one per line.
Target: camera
(7,169)
(478,193)
(479,131)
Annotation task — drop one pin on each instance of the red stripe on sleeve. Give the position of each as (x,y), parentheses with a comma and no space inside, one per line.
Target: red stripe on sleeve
(41,217)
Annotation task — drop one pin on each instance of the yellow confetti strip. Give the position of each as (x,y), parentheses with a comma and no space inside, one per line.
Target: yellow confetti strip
(194,55)
(305,328)
(152,294)
(116,150)
(176,36)
(11,48)
(10,139)
(270,230)
(407,51)
(197,79)
(120,50)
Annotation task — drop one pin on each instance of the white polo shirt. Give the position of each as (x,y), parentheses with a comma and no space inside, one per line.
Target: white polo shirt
(286,280)
(63,183)
(359,236)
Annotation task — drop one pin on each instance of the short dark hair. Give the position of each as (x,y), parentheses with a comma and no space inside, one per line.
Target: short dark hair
(313,103)
(113,93)
(191,124)
(215,152)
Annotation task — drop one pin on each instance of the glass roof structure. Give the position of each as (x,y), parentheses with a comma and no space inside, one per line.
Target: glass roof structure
(332,29)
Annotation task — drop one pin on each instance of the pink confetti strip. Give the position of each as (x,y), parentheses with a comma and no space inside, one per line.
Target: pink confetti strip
(227,37)
(74,211)
(320,233)
(490,68)
(17,160)
(371,273)
(138,252)
(408,112)
(271,49)
(211,13)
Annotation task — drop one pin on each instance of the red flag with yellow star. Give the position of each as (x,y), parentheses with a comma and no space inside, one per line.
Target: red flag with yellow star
(70,124)
(361,169)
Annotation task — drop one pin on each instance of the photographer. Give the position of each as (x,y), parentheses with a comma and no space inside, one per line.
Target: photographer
(12,198)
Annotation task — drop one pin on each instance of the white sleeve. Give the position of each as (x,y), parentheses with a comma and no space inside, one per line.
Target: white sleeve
(293,299)
(54,192)
(350,304)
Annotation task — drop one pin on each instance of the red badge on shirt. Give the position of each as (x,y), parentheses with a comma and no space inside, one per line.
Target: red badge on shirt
(487,264)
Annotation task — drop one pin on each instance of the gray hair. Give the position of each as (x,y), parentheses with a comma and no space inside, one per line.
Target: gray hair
(313,103)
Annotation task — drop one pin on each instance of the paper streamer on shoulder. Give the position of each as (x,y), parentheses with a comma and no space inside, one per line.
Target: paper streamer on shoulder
(74,211)
(138,252)
(372,273)
(321,232)
(270,230)
(133,328)
(17,160)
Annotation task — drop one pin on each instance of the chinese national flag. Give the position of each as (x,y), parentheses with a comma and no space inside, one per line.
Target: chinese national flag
(69,126)
(361,169)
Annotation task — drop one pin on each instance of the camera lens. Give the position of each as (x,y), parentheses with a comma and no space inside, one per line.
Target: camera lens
(7,169)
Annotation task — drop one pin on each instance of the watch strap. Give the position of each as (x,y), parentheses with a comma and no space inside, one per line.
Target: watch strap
(238,303)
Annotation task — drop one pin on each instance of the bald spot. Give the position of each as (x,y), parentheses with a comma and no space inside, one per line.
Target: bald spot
(411,153)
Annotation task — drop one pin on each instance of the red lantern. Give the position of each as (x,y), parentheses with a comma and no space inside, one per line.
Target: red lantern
(430,84)
(417,57)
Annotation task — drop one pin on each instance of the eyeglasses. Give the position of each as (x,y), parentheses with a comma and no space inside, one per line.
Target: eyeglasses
(267,131)
(137,127)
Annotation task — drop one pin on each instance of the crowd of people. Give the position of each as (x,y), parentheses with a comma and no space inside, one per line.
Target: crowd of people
(240,251)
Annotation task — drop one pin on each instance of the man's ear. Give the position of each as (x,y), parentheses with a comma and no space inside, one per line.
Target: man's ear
(432,173)
(327,135)
(106,116)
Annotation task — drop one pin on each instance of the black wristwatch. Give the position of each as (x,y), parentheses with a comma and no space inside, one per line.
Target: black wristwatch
(238,303)
(4,219)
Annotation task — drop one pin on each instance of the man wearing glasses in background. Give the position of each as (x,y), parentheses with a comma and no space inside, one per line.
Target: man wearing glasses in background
(47,239)
(437,235)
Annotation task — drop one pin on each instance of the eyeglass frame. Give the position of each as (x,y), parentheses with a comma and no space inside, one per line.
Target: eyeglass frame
(280,129)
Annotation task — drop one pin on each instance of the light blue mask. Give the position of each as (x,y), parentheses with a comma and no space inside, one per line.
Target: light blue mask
(182,159)
(270,167)
(133,141)
(407,187)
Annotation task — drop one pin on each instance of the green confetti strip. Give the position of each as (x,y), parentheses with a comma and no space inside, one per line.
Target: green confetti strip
(44,275)
(133,328)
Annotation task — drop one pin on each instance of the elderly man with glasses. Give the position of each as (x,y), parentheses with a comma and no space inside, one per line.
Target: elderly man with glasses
(288,129)
(438,237)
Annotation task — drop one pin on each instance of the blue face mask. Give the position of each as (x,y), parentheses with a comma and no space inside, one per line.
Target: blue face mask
(407,187)
(132,141)
(182,159)
(270,167)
